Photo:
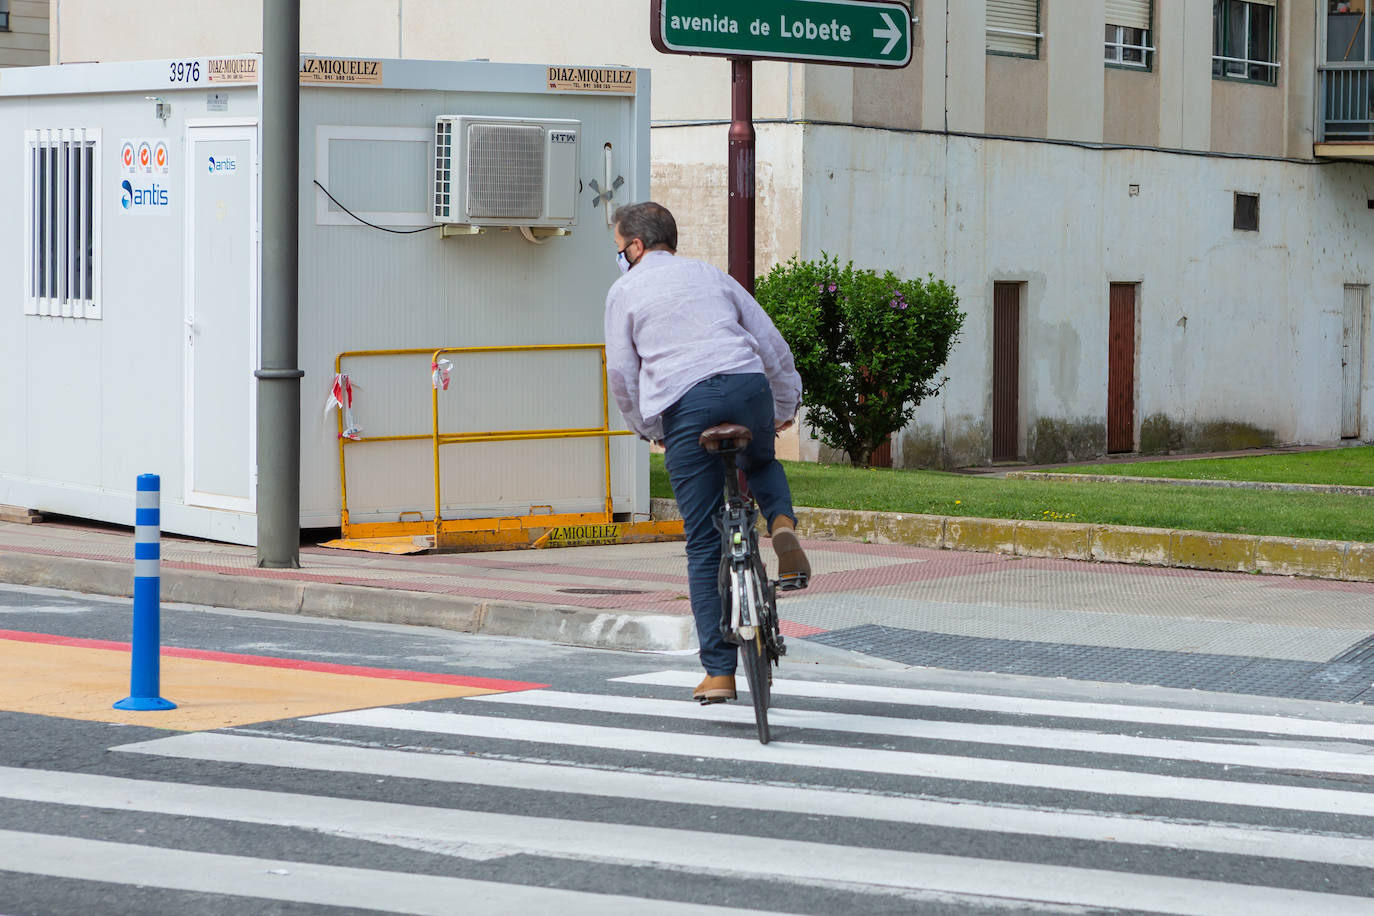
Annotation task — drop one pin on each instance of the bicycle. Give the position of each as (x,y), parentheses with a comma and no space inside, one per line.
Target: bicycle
(749,614)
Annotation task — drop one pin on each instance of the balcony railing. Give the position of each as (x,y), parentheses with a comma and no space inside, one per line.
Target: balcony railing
(1347,104)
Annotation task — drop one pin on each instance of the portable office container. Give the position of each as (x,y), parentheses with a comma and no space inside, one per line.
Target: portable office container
(131,265)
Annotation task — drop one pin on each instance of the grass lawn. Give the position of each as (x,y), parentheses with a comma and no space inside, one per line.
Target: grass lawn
(1304,515)
(1348,466)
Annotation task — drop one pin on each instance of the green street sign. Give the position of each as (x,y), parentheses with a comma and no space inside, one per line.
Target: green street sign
(856,33)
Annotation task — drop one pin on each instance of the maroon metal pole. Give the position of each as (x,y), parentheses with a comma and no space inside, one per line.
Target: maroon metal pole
(741,173)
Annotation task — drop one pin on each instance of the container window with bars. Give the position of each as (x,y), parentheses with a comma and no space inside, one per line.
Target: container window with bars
(1013,27)
(62,219)
(1128,33)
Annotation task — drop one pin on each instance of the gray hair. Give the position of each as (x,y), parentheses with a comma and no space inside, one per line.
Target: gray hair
(649,222)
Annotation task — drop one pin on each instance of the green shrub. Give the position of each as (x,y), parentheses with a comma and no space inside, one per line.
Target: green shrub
(868,347)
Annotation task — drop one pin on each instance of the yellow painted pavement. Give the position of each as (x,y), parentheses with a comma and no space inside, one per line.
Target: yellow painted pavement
(74,682)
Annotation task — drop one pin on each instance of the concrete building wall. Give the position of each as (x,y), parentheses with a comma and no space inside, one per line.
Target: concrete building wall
(1131,107)
(1236,329)
(1073,55)
(24,43)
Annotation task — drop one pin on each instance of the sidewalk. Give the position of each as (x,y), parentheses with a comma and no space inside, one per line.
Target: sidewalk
(871,603)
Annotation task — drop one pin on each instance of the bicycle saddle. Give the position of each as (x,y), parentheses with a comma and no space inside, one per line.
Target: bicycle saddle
(726,435)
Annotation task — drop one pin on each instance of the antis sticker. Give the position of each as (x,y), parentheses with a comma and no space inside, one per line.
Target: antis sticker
(145,168)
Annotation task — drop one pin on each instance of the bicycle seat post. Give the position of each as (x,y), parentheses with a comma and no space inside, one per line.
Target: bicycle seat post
(727,440)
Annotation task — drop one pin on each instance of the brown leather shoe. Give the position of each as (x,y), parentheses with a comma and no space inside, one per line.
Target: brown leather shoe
(794,570)
(716,688)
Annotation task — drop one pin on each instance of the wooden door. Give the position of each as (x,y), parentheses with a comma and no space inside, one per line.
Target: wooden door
(1121,369)
(1352,361)
(1006,371)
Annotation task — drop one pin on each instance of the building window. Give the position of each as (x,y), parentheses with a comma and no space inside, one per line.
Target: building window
(1243,41)
(1128,33)
(1347,32)
(1013,27)
(4,15)
(62,221)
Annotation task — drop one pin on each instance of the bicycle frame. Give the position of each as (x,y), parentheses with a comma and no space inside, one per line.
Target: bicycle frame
(739,529)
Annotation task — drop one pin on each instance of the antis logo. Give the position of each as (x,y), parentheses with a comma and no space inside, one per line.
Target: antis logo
(223,164)
(132,197)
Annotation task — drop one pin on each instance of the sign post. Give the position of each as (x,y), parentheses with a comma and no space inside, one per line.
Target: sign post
(852,33)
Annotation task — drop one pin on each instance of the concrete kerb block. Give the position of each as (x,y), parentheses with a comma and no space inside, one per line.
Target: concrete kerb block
(589,627)
(1359,563)
(92,577)
(1300,557)
(664,510)
(387,605)
(1198,550)
(984,535)
(1057,540)
(836,524)
(1124,544)
(281,596)
(909,530)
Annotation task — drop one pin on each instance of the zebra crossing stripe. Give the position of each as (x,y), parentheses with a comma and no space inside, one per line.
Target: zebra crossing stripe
(683,790)
(1246,755)
(306,882)
(1035,706)
(763,857)
(903,763)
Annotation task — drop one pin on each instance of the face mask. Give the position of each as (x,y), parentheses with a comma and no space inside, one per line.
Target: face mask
(622,262)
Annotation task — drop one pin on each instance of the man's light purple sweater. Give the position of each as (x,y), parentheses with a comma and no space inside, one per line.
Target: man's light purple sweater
(671,322)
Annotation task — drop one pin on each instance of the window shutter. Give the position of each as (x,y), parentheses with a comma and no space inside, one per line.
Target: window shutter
(1133,14)
(1016,16)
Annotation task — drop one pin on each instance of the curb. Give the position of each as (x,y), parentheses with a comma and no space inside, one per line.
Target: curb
(575,626)
(1335,489)
(1351,561)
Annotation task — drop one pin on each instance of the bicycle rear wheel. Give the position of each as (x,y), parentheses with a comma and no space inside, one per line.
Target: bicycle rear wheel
(754,658)
(754,646)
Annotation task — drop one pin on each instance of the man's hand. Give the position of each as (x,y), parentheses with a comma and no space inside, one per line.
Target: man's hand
(784,427)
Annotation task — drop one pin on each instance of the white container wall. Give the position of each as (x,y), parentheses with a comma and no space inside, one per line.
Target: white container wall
(158,377)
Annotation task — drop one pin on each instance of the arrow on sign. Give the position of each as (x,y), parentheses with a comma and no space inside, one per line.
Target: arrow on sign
(891,33)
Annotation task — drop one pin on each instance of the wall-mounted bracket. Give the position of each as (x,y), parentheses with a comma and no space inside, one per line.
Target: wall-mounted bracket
(448,230)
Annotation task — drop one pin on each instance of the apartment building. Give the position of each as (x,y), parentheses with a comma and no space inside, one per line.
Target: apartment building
(1160,224)
(23,33)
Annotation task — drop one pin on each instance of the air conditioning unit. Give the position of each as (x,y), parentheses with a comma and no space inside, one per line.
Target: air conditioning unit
(505,171)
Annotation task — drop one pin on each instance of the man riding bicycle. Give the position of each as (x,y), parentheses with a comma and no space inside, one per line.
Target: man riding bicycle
(687,349)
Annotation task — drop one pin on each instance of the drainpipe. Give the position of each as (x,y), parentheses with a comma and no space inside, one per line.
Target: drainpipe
(740,173)
(279,380)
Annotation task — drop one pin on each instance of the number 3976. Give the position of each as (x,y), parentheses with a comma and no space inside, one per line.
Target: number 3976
(187,71)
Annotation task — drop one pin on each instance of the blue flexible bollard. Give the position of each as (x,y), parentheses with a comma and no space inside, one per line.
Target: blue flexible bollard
(145,675)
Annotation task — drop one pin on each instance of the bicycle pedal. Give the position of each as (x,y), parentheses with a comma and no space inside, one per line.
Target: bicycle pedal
(793,582)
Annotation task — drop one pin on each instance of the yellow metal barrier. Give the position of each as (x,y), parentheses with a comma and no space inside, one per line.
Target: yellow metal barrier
(536,529)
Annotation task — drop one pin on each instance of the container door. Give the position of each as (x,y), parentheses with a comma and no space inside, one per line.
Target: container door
(1121,369)
(1352,361)
(221,330)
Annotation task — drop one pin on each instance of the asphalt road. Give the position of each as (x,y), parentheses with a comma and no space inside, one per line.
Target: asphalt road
(325,767)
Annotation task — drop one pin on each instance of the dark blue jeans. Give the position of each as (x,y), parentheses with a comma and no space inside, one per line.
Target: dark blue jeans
(698,479)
